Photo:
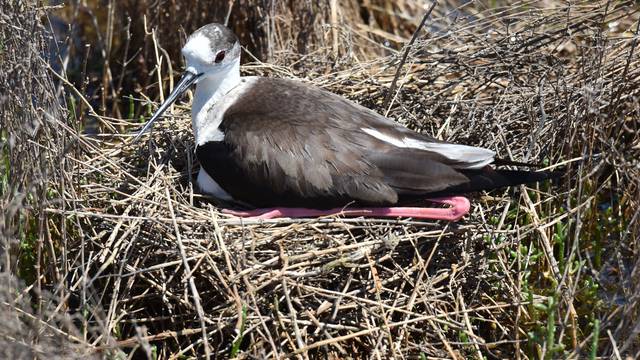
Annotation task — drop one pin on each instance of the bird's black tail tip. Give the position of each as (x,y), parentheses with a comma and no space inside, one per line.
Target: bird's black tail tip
(490,178)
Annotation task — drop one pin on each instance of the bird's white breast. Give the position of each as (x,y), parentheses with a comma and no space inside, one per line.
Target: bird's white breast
(210,186)
(208,116)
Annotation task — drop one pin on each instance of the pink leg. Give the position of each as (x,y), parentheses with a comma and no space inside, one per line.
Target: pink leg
(459,206)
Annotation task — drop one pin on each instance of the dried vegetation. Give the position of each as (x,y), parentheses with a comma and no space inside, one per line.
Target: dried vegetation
(118,254)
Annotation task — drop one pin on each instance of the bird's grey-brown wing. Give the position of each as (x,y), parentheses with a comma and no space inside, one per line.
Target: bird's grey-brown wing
(292,166)
(288,144)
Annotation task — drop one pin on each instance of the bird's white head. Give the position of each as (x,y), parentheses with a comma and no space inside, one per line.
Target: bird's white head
(212,54)
(211,50)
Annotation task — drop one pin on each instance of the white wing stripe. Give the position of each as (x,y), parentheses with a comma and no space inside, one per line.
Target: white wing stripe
(472,157)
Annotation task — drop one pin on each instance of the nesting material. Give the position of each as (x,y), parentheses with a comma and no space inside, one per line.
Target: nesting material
(159,267)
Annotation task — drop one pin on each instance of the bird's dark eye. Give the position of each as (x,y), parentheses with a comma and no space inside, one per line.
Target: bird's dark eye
(220,56)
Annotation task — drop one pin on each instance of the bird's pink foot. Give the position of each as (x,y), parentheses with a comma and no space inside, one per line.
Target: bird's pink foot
(458,207)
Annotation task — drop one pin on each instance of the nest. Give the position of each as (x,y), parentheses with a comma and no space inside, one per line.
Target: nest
(153,267)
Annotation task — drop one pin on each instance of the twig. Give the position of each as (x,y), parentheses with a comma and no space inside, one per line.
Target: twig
(408,47)
(192,284)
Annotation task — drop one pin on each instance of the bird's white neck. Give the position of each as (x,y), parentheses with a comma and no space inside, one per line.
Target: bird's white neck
(209,91)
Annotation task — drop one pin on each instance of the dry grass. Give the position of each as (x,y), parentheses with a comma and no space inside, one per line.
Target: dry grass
(122,256)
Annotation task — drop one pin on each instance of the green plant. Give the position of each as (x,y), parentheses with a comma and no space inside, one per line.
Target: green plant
(235,347)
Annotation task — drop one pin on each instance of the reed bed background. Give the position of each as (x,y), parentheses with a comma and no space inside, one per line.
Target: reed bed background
(108,250)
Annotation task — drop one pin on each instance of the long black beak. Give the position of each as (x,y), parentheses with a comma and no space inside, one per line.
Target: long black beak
(188,79)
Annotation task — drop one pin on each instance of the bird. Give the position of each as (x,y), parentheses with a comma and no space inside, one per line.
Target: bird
(283,148)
